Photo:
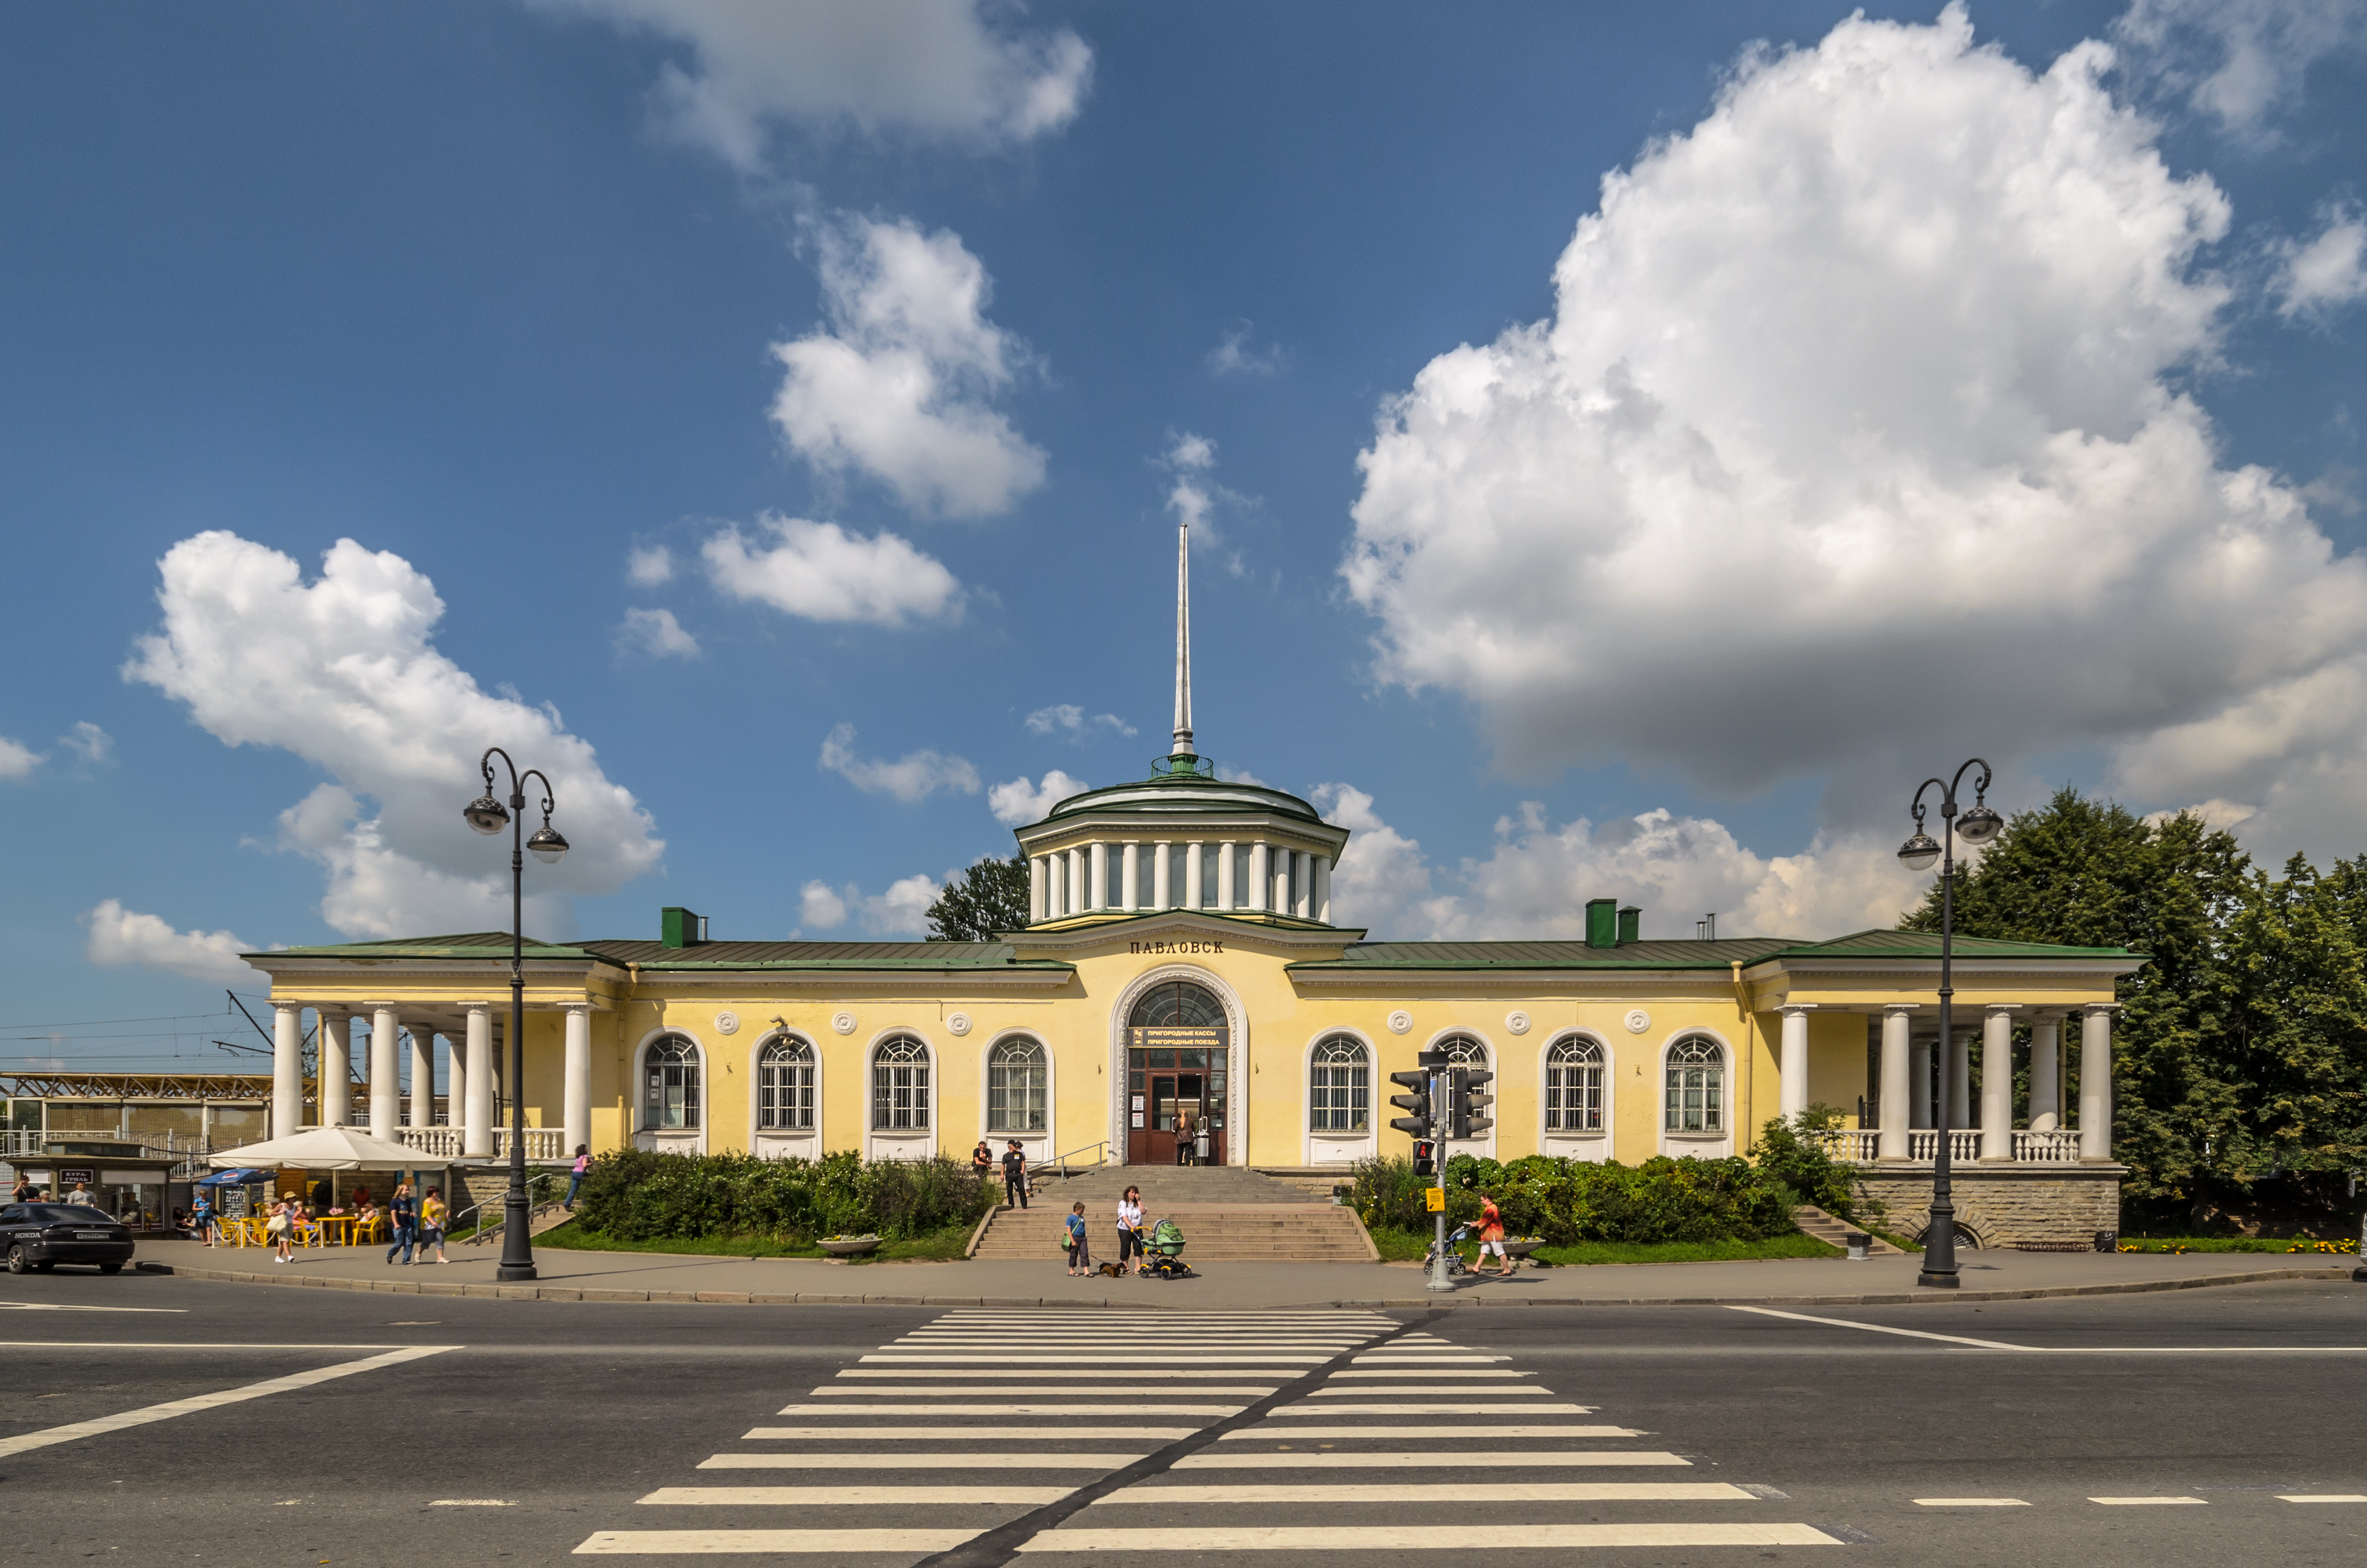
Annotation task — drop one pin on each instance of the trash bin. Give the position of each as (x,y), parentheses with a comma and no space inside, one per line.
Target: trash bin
(1860,1246)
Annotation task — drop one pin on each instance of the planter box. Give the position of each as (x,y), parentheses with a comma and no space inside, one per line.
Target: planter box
(854,1248)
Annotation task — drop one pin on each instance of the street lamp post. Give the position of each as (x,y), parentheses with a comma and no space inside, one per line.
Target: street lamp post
(1976,827)
(488,816)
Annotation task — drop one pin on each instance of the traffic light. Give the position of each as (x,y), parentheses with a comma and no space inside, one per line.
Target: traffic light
(1417,1102)
(1425,1157)
(1466,1106)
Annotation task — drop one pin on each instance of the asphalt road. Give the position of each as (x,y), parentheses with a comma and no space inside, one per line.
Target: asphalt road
(520,1431)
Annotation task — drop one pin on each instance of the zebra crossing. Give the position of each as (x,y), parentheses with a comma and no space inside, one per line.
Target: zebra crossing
(1050,1430)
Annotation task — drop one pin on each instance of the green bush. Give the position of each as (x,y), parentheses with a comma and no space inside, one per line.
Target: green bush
(636,1196)
(1568,1201)
(1787,1152)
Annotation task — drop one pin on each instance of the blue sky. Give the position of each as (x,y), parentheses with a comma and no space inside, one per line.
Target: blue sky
(1838,452)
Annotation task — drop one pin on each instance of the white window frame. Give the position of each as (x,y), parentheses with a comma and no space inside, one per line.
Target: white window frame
(808,1066)
(690,1140)
(1360,1095)
(1038,1072)
(900,1142)
(1551,1064)
(1704,1142)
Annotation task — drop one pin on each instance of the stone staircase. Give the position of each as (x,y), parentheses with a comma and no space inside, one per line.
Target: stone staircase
(1836,1233)
(1229,1215)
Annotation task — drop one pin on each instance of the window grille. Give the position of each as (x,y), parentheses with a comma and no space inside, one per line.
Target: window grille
(784,1087)
(1697,1091)
(900,1085)
(1463,1051)
(670,1085)
(1338,1090)
(1574,1085)
(1017,1076)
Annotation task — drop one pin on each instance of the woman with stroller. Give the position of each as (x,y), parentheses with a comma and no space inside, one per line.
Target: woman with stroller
(1129,1230)
(1491,1238)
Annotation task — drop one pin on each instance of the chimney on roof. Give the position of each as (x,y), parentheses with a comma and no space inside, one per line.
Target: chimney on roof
(1631,925)
(679,927)
(1601,922)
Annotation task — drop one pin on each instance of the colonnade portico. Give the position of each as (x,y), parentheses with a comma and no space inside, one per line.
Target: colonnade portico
(1250,877)
(1905,1099)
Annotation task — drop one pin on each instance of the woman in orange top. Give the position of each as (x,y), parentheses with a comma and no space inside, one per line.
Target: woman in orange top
(1491,1236)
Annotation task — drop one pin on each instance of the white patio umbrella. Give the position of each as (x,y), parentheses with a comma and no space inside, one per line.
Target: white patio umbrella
(324,1149)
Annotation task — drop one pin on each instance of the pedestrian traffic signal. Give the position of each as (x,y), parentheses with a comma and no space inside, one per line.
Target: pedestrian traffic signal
(1466,1106)
(1425,1157)
(1417,1102)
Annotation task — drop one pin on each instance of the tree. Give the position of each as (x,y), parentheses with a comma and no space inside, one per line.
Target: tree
(991,896)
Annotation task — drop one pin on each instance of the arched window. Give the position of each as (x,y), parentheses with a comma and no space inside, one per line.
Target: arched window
(1574,1085)
(1017,1075)
(1696,1093)
(670,1085)
(785,1086)
(900,1085)
(1178,1003)
(1338,1086)
(1463,1051)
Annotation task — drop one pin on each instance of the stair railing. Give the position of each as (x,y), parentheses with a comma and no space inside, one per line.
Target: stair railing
(536,1209)
(1101,1157)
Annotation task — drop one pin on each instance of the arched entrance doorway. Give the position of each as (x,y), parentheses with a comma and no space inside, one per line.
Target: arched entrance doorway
(1176,1050)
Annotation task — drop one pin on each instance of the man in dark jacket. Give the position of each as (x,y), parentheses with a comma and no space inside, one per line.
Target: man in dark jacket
(1015,1177)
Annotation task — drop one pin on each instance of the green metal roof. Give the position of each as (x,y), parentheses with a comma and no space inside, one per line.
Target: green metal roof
(478,945)
(1722,953)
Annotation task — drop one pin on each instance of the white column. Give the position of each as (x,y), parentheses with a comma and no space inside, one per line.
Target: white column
(386,1037)
(1323,889)
(1035,888)
(2096,1083)
(577,1095)
(1225,875)
(336,1037)
(1792,1085)
(477,1124)
(1919,1074)
(1302,885)
(456,1082)
(1097,875)
(422,1076)
(1896,1072)
(1996,1083)
(1194,879)
(1960,1077)
(1073,900)
(1261,882)
(1159,891)
(1129,874)
(286,1069)
(2046,1085)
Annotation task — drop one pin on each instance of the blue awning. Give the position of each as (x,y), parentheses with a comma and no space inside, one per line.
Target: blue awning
(233,1178)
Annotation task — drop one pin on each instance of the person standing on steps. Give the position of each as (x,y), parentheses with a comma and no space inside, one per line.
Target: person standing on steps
(575,1179)
(1130,1229)
(1015,1177)
(1184,1139)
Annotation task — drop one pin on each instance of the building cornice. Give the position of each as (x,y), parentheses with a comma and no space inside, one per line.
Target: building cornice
(1247,928)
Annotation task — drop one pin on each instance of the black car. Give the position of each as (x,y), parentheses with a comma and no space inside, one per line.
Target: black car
(42,1235)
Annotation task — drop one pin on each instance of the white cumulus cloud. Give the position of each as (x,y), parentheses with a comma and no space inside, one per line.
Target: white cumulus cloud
(88,742)
(901,911)
(2238,61)
(912,777)
(821,572)
(944,70)
(1018,802)
(1540,874)
(1232,356)
(17,760)
(120,937)
(657,633)
(2329,269)
(646,566)
(342,672)
(1854,438)
(1071,722)
(901,383)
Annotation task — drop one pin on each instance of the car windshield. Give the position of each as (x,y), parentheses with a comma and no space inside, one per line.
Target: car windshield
(62,1214)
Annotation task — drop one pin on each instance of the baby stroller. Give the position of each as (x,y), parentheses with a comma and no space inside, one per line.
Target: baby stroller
(1164,1253)
(1455,1264)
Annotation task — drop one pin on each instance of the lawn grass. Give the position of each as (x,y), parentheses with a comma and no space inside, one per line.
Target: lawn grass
(2345,1246)
(1408,1247)
(938,1246)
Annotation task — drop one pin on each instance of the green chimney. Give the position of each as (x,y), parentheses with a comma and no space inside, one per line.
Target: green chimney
(679,928)
(1601,922)
(1631,922)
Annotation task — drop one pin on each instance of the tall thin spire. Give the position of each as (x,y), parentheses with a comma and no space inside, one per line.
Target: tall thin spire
(1183,638)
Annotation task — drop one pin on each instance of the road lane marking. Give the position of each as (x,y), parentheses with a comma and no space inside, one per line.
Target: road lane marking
(2322,1496)
(1384,1360)
(2148,1501)
(1126,1359)
(1970,1503)
(1133,1375)
(194,1345)
(998,1461)
(68,1307)
(1449,1492)
(471,1503)
(838,1543)
(1368,1391)
(1460,1459)
(983,1433)
(1433,1372)
(851,1496)
(170,1408)
(1463,1537)
(1882,1328)
(962,1407)
(1412,1408)
(1268,1434)
(989,1391)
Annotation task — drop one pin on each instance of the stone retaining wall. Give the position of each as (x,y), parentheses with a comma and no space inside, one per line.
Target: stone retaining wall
(2028,1208)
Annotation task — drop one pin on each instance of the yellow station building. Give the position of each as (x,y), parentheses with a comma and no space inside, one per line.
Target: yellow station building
(1181,967)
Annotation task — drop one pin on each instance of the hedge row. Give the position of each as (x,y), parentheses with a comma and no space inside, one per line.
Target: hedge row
(636,1196)
(1663,1200)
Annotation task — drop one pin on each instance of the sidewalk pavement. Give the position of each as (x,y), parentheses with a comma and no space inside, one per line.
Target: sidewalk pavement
(661,1277)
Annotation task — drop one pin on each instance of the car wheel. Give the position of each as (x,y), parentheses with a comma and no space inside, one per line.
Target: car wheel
(110,1268)
(17,1262)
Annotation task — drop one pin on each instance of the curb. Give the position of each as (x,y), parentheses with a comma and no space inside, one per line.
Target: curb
(760,1298)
